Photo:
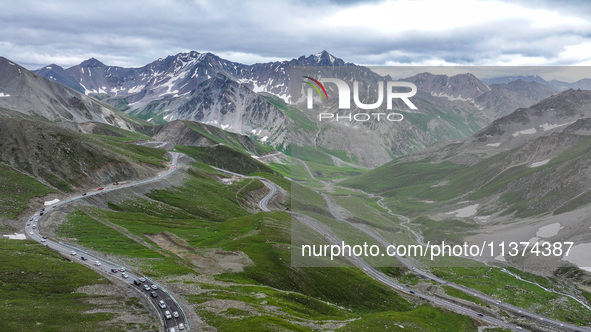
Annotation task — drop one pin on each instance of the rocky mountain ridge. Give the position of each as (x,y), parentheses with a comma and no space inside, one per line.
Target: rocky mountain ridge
(232,96)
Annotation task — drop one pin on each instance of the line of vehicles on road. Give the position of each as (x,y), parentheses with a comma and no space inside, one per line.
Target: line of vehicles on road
(139,282)
(152,289)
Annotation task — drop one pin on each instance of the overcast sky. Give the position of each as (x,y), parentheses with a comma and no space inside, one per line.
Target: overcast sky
(431,32)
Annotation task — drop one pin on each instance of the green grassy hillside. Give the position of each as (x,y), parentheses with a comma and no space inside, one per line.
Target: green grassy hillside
(560,185)
(16,190)
(42,295)
(225,157)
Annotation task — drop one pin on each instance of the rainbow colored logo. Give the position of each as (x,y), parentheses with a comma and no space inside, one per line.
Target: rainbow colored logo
(316,87)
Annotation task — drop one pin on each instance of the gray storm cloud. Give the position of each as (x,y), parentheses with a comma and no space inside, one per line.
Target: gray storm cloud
(133,33)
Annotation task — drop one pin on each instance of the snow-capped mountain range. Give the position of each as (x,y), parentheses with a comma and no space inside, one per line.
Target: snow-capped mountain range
(194,86)
(253,100)
(177,75)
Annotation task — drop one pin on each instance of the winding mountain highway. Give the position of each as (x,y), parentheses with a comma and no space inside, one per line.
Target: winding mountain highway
(156,293)
(148,288)
(369,270)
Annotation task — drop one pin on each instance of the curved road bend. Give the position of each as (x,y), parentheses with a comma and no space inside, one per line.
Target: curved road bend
(272,191)
(170,304)
(263,203)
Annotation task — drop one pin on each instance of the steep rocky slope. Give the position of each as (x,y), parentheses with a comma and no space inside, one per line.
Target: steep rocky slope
(24,93)
(66,159)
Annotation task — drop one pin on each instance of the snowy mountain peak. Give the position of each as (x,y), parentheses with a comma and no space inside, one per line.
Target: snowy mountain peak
(188,55)
(320,59)
(321,54)
(325,58)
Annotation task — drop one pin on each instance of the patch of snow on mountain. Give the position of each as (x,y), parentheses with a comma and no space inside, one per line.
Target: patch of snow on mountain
(549,230)
(547,126)
(467,211)
(258,88)
(285,98)
(86,91)
(539,163)
(136,89)
(479,107)
(525,132)
(116,90)
(449,97)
